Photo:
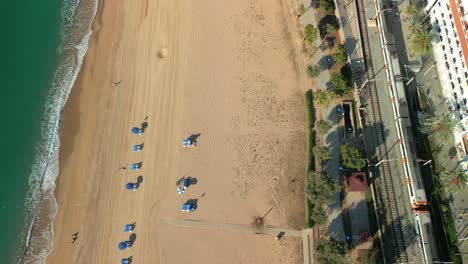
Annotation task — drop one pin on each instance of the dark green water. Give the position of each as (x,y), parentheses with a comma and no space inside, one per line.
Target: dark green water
(29,43)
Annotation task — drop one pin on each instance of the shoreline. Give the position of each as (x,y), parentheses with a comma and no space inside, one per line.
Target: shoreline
(262,125)
(74,40)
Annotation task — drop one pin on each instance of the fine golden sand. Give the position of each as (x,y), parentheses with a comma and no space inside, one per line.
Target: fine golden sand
(227,70)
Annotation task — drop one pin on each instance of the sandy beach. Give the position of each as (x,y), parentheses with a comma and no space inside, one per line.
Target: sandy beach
(227,70)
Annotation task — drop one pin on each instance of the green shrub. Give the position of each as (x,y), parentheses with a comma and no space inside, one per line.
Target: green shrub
(310,33)
(352,158)
(330,251)
(300,10)
(311,122)
(314,71)
(322,153)
(340,54)
(323,126)
(327,6)
(339,84)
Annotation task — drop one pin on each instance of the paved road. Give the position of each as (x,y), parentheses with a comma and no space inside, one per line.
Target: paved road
(260,230)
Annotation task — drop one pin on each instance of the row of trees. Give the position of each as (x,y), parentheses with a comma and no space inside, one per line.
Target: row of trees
(422,38)
(320,189)
(440,128)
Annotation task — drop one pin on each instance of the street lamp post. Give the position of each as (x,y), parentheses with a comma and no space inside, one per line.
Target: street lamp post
(381,11)
(366,81)
(433,65)
(408,81)
(348,18)
(425,161)
(380,162)
(406,71)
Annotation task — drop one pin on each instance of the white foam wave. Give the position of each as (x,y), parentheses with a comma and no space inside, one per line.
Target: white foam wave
(77,17)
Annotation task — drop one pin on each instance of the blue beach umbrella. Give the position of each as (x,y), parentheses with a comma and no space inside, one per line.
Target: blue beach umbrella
(187,143)
(132,186)
(136,166)
(128,228)
(137,131)
(186,183)
(180,190)
(137,148)
(188,207)
(124,261)
(125,245)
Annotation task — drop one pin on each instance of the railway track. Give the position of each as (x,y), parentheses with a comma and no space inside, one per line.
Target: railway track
(388,200)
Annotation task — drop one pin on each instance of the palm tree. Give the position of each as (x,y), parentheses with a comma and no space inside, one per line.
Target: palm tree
(441,125)
(322,98)
(415,26)
(411,10)
(422,42)
(454,181)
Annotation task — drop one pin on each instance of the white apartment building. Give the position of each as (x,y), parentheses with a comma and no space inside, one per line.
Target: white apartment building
(449,19)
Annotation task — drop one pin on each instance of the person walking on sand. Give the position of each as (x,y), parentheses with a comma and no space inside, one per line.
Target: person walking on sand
(74,237)
(123,167)
(116,83)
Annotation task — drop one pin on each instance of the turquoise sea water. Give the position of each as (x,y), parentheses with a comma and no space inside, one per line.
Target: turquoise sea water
(31,35)
(43,45)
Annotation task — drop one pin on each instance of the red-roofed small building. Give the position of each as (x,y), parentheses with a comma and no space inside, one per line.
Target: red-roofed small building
(357,182)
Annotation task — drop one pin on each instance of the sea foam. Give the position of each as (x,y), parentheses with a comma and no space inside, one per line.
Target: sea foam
(35,245)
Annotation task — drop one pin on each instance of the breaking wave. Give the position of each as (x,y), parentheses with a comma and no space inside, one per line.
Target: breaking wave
(41,207)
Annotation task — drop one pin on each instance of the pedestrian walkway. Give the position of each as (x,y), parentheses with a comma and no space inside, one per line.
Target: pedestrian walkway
(331,139)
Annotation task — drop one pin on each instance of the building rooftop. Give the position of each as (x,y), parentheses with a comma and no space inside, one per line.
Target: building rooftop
(357,182)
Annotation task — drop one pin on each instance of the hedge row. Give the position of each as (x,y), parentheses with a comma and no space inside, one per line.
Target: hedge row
(311,144)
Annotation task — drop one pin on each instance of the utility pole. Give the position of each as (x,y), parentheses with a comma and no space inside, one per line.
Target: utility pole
(260,220)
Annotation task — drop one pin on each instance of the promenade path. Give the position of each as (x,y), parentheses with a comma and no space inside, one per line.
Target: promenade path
(331,139)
